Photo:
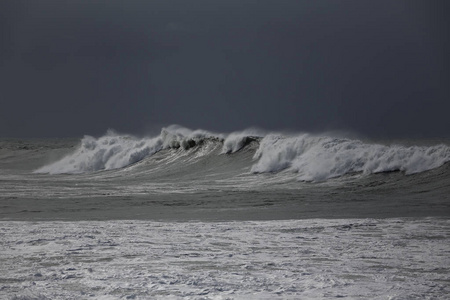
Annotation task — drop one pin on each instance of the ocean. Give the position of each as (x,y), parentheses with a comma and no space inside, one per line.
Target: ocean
(192,214)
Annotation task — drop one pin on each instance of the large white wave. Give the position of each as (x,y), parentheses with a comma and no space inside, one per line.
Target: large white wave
(114,150)
(313,157)
(317,158)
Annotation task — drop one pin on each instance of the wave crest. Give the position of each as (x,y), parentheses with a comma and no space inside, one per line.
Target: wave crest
(318,158)
(312,157)
(107,152)
(235,141)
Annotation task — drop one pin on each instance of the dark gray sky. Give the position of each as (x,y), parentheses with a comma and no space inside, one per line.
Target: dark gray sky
(379,68)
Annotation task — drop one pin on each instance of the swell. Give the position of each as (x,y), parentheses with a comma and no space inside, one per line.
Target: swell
(309,157)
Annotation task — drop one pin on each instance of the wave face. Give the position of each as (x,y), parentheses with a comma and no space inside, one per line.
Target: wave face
(310,157)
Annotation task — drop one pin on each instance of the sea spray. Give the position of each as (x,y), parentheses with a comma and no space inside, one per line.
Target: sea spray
(113,150)
(110,151)
(317,158)
(235,141)
(311,157)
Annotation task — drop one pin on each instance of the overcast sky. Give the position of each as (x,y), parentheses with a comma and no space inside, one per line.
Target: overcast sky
(378,68)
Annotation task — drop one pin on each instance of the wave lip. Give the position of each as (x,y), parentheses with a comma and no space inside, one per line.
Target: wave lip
(235,141)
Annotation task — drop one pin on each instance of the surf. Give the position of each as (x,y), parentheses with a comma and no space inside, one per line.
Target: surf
(310,157)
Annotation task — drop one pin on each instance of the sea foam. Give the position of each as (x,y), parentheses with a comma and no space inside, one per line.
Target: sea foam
(312,157)
(113,150)
(317,158)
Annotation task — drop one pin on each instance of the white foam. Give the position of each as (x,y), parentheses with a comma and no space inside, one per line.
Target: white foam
(113,150)
(291,259)
(235,141)
(107,152)
(312,157)
(317,158)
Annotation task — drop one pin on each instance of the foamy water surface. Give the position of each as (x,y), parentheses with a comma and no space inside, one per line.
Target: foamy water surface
(291,259)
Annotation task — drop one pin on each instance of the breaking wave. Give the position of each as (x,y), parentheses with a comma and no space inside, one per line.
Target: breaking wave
(317,158)
(311,157)
(113,151)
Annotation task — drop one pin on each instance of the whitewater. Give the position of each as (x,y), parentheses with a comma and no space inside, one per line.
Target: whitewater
(313,157)
(195,214)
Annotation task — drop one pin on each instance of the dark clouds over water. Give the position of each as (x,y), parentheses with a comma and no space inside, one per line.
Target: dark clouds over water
(380,68)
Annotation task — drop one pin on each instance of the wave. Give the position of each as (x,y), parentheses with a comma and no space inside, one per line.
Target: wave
(317,158)
(310,157)
(113,151)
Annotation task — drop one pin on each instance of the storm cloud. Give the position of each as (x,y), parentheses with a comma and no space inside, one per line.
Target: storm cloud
(378,68)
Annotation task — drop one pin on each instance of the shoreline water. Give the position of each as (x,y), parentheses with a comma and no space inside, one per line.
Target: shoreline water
(291,259)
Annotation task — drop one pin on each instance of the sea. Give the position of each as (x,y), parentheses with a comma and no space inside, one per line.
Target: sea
(194,214)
